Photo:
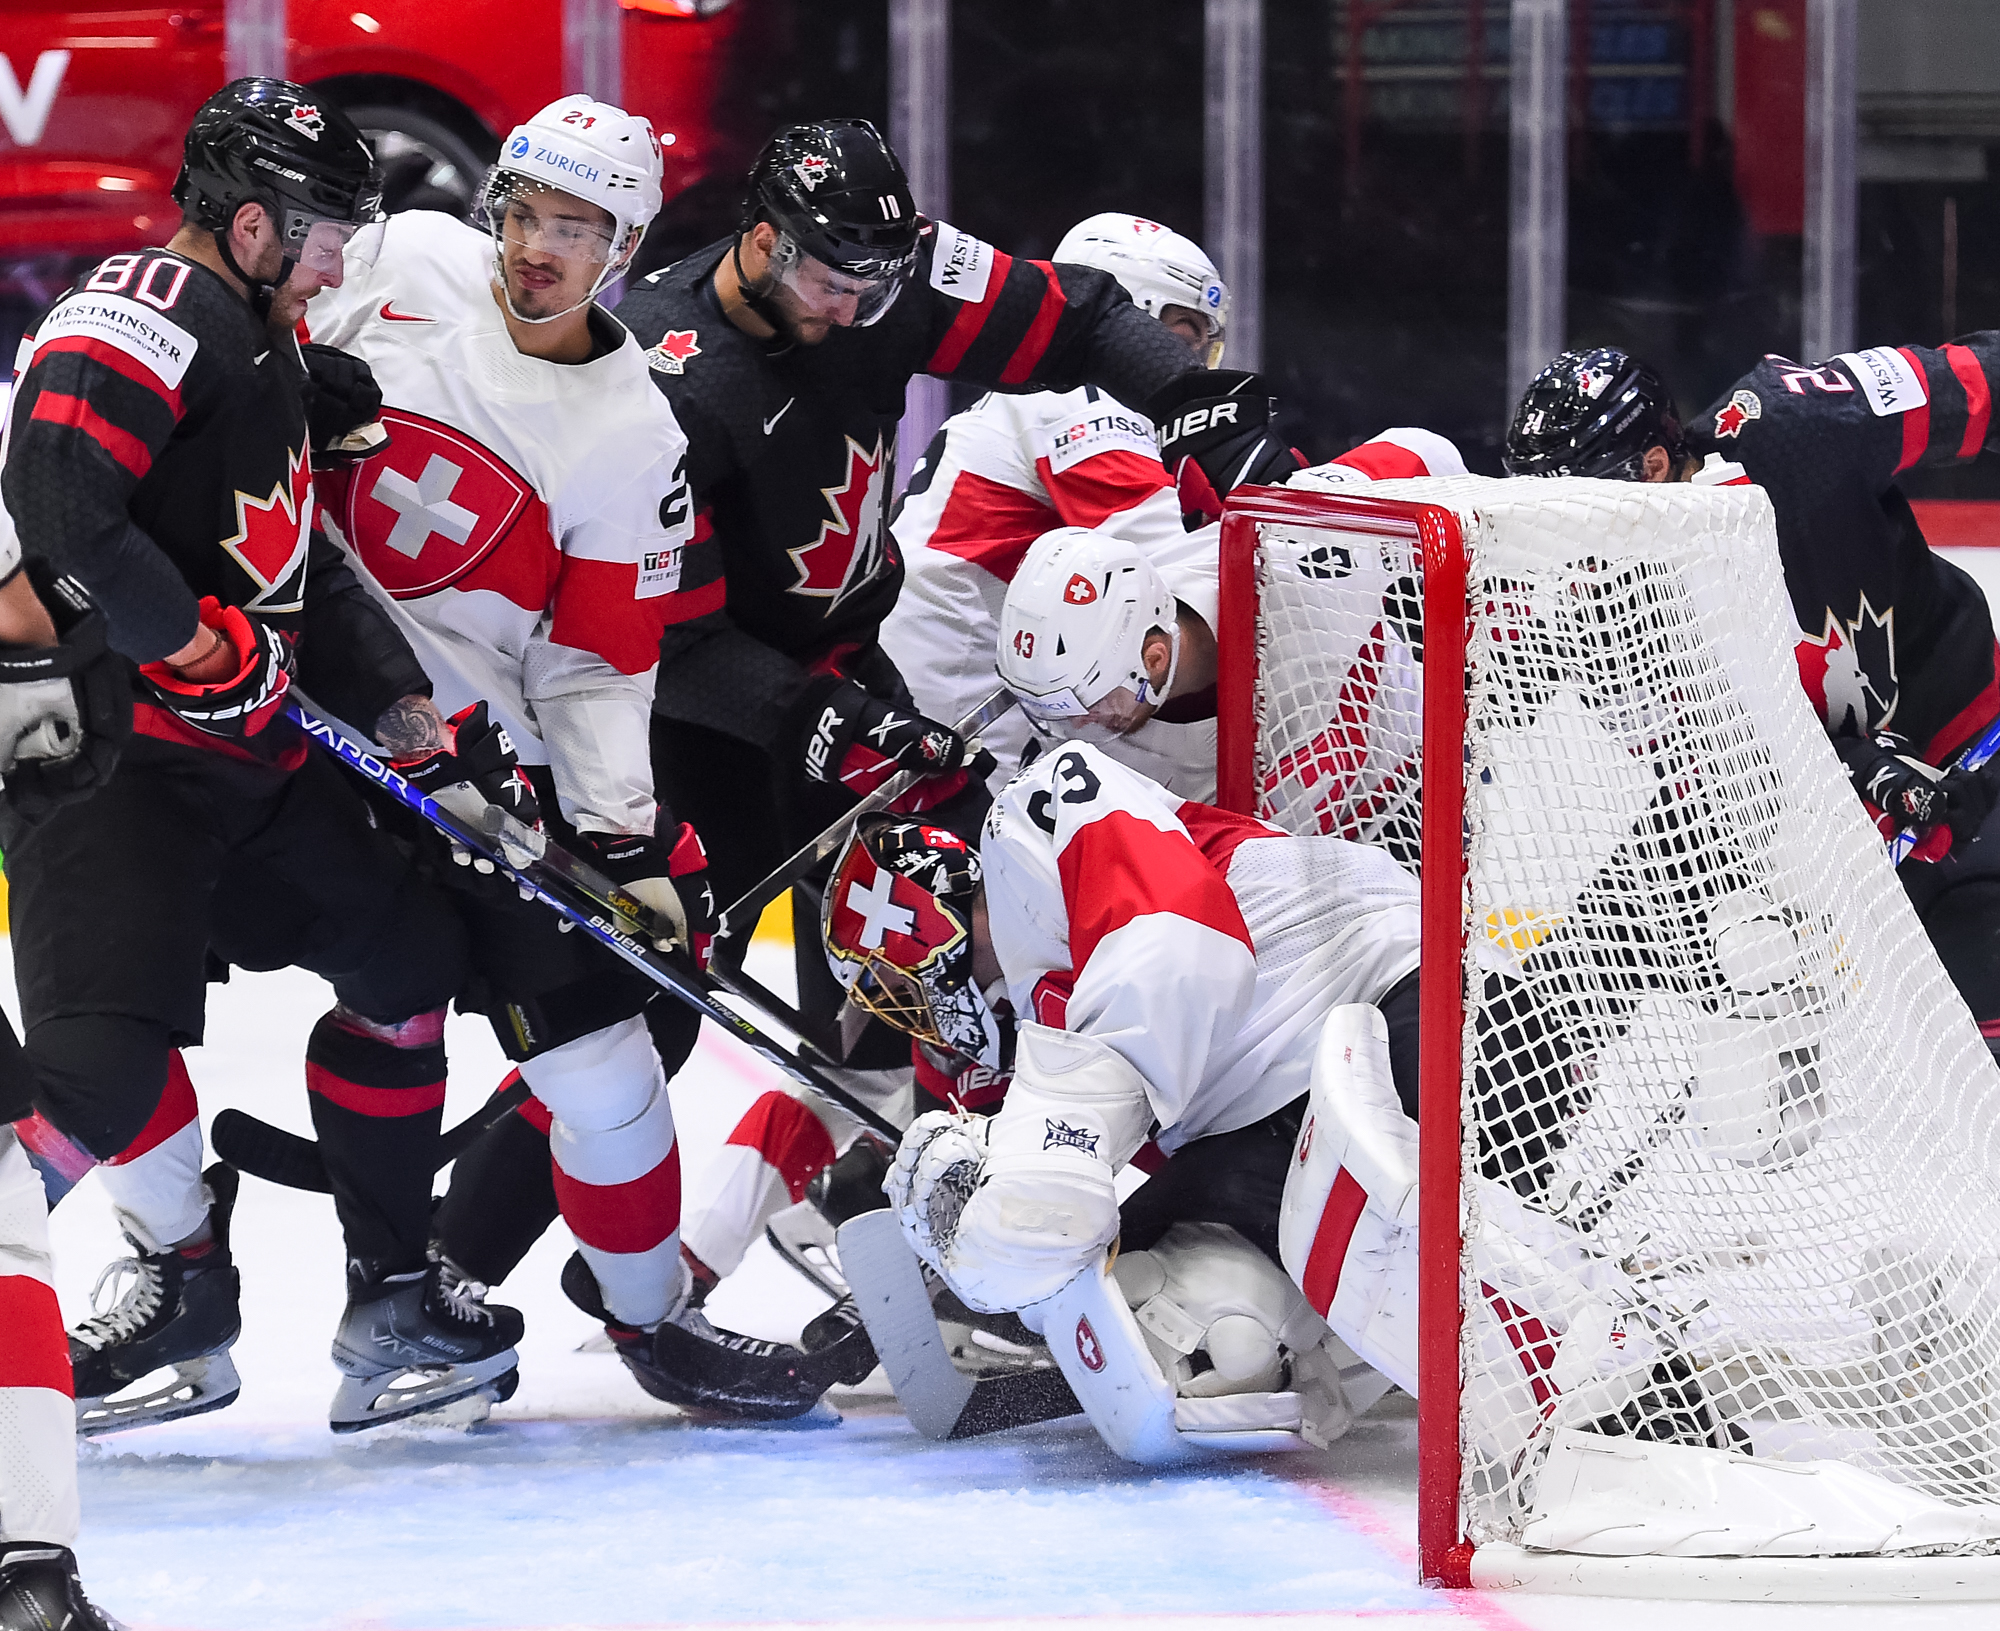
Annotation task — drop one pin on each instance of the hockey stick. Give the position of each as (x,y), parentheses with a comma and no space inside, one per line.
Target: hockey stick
(279,1157)
(587,898)
(941,1401)
(743,912)
(1984,746)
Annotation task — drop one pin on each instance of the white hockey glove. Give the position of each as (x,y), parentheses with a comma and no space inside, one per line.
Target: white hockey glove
(1010,1210)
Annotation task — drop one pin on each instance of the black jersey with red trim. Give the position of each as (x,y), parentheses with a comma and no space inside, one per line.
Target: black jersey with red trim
(1894,637)
(792,448)
(156,451)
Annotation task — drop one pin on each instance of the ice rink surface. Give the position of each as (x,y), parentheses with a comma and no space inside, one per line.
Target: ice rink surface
(585,1506)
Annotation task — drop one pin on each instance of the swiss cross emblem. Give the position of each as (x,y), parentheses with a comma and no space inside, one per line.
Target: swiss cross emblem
(273,531)
(306,120)
(1079,591)
(431,506)
(671,354)
(1743,407)
(1088,1349)
(849,552)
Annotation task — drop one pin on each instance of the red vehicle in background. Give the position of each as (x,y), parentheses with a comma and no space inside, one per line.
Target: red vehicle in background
(95,96)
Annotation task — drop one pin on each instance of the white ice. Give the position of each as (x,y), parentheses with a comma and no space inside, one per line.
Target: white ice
(584,1504)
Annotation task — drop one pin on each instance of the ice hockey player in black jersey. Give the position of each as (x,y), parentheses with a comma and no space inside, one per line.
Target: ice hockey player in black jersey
(158,454)
(1896,647)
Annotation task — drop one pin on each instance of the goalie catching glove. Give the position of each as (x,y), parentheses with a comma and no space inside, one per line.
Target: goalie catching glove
(666,870)
(1011,1209)
(249,697)
(66,709)
(1910,793)
(1216,434)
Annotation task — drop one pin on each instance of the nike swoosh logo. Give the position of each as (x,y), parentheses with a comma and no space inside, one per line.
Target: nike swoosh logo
(389,316)
(771,423)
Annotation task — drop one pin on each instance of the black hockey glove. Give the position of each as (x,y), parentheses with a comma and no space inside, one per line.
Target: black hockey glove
(860,741)
(479,752)
(1913,794)
(66,709)
(1216,435)
(343,407)
(248,698)
(668,871)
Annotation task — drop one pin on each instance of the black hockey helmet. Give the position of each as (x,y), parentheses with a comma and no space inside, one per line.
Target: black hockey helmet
(839,192)
(270,142)
(1593,413)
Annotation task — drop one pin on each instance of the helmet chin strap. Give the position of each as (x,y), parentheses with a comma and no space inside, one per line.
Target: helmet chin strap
(260,291)
(1165,688)
(755,298)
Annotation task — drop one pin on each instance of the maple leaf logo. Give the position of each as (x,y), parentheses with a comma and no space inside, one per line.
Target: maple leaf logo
(271,539)
(1850,670)
(849,550)
(306,120)
(671,354)
(1743,407)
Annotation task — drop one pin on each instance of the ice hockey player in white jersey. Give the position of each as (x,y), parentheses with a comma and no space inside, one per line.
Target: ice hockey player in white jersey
(527,523)
(1167,968)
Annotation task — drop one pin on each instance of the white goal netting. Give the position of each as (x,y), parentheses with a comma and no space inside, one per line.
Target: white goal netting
(1731,1142)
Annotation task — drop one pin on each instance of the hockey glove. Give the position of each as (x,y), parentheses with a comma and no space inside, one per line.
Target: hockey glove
(478,754)
(668,871)
(1910,793)
(66,709)
(861,741)
(1216,435)
(249,698)
(343,407)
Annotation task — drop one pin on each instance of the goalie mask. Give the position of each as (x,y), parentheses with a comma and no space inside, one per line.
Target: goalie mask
(897,924)
(1073,632)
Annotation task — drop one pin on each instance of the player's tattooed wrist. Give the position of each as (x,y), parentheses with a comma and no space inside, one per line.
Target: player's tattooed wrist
(411,726)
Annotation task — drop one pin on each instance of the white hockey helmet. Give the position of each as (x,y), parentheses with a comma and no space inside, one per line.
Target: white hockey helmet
(1073,629)
(1157,266)
(592,151)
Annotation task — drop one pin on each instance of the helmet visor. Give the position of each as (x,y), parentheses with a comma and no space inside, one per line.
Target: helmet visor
(317,245)
(845,298)
(532,216)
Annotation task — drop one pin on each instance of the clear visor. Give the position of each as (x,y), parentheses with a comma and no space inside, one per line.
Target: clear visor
(317,245)
(846,299)
(1120,711)
(528,215)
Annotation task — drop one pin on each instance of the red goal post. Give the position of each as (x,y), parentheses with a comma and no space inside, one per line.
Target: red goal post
(1689,1059)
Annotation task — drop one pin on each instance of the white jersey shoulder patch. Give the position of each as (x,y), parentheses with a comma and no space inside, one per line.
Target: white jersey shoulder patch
(1887,378)
(161,345)
(1102,426)
(961,265)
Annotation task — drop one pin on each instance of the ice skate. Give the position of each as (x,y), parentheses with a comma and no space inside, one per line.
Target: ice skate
(40,1591)
(179,1312)
(803,1235)
(412,1344)
(714,1374)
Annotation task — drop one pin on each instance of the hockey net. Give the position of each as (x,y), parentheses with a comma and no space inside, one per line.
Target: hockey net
(1710,1181)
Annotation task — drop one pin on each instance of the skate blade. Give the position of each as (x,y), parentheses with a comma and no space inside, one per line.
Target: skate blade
(198,1386)
(808,1246)
(362,1402)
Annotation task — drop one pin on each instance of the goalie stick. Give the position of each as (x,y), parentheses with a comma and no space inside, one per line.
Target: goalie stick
(585,896)
(743,912)
(941,1401)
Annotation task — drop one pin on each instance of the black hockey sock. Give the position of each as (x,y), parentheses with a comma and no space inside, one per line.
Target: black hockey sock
(502,1197)
(378,1106)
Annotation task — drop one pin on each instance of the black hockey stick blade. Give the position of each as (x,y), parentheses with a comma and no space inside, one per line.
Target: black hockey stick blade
(941,1401)
(279,1157)
(741,915)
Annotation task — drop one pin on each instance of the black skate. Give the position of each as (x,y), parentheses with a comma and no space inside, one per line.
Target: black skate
(180,1312)
(40,1591)
(803,1235)
(712,1374)
(411,1344)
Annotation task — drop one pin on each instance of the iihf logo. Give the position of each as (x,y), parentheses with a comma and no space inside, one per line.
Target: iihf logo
(1062,1136)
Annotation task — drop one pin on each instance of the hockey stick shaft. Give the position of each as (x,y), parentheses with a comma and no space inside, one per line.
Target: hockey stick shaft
(578,892)
(742,913)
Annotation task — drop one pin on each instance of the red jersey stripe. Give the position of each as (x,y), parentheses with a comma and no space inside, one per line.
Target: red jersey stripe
(627,1217)
(1917,422)
(372,1101)
(685,605)
(1119,867)
(119,362)
(1970,720)
(1103,485)
(175,1110)
(596,611)
(57,408)
(990,524)
(1217,833)
(36,1353)
(971,319)
(1978,398)
(1035,342)
(789,1138)
(1384,461)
